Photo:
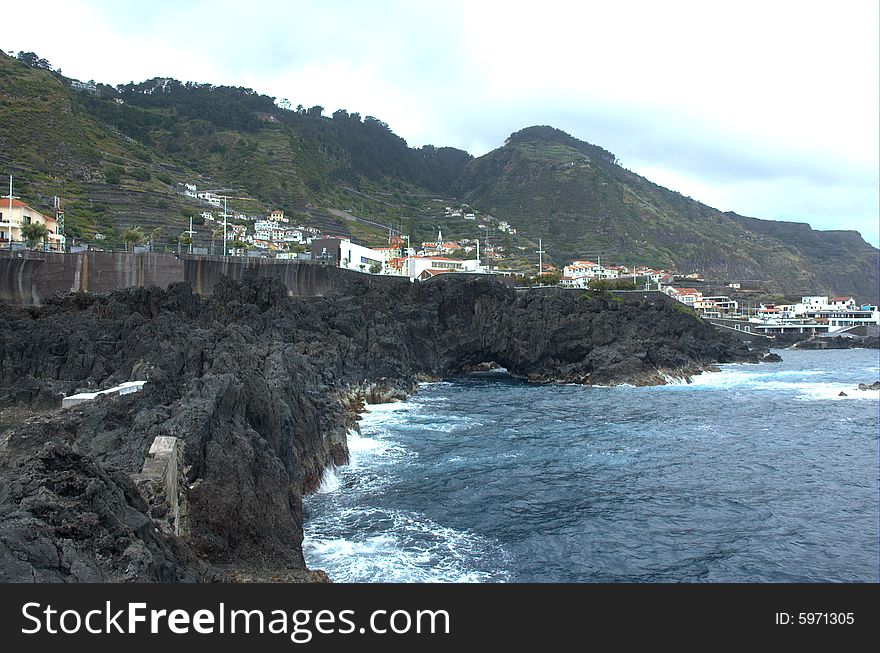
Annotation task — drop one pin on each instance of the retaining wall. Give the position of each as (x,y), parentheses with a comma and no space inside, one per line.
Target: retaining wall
(30,278)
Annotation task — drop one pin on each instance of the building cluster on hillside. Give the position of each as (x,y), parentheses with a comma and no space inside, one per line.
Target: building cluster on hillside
(579,274)
(487,220)
(424,262)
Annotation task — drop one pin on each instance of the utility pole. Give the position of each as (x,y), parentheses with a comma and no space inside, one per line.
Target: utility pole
(9,221)
(225,219)
(191,232)
(540,253)
(59,217)
(478,254)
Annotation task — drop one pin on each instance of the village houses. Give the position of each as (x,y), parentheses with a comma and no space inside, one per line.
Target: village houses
(15,214)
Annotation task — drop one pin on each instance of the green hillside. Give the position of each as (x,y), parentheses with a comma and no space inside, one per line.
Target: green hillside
(118,157)
(583,204)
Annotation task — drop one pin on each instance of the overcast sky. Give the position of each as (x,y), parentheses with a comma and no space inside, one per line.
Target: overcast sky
(768,108)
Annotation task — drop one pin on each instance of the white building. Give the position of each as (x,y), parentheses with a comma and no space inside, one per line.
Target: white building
(590,270)
(341,252)
(15,215)
(425,267)
(211,198)
(575,282)
(296,236)
(687,296)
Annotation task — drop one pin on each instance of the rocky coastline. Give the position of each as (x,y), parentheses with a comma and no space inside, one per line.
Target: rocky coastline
(257,390)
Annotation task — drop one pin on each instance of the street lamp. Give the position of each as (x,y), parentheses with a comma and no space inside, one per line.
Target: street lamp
(11,197)
(540,253)
(190,233)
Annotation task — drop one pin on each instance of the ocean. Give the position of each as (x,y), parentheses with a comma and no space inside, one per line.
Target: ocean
(756,473)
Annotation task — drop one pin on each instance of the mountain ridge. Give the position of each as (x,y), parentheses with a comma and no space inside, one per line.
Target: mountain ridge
(117,155)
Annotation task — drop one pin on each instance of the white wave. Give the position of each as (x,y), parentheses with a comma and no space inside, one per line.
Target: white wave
(410,548)
(732,377)
(828,391)
(330,481)
(803,384)
(388,407)
(370,447)
(358,442)
(676,380)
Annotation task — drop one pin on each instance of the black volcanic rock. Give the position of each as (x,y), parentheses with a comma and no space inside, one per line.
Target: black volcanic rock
(260,389)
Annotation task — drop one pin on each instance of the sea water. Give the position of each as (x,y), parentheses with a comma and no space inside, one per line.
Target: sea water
(758,473)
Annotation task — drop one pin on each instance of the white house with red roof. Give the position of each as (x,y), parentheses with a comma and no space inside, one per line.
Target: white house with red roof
(591,270)
(16,214)
(687,296)
(574,282)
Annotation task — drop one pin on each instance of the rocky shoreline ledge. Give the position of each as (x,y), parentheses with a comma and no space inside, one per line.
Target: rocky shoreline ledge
(249,395)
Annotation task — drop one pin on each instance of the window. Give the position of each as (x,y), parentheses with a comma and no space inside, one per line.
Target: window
(27,219)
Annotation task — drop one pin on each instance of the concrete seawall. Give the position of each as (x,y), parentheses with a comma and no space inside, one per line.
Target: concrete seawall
(30,278)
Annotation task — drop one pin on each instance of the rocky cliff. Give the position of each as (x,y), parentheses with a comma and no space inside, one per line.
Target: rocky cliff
(260,389)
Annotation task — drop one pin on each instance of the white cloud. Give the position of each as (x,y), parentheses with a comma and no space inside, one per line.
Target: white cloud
(769,109)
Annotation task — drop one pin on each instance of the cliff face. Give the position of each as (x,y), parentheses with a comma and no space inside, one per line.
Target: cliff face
(260,389)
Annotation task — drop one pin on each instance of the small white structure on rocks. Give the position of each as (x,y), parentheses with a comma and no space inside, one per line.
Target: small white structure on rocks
(123,389)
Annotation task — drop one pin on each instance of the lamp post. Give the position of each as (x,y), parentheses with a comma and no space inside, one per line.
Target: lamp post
(11,198)
(190,233)
(225,219)
(540,253)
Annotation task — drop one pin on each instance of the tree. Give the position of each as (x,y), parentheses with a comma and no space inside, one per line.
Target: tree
(375,268)
(214,236)
(114,175)
(550,278)
(33,60)
(611,284)
(34,233)
(155,234)
(185,240)
(132,236)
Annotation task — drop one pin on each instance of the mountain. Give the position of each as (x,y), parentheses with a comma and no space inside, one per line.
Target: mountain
(118,155)
(582,203)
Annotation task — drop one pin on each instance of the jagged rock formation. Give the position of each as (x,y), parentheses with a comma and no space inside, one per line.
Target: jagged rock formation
(260,389)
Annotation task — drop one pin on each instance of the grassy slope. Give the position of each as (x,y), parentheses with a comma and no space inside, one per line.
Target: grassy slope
(586,206)
(548,185)
(53,147)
